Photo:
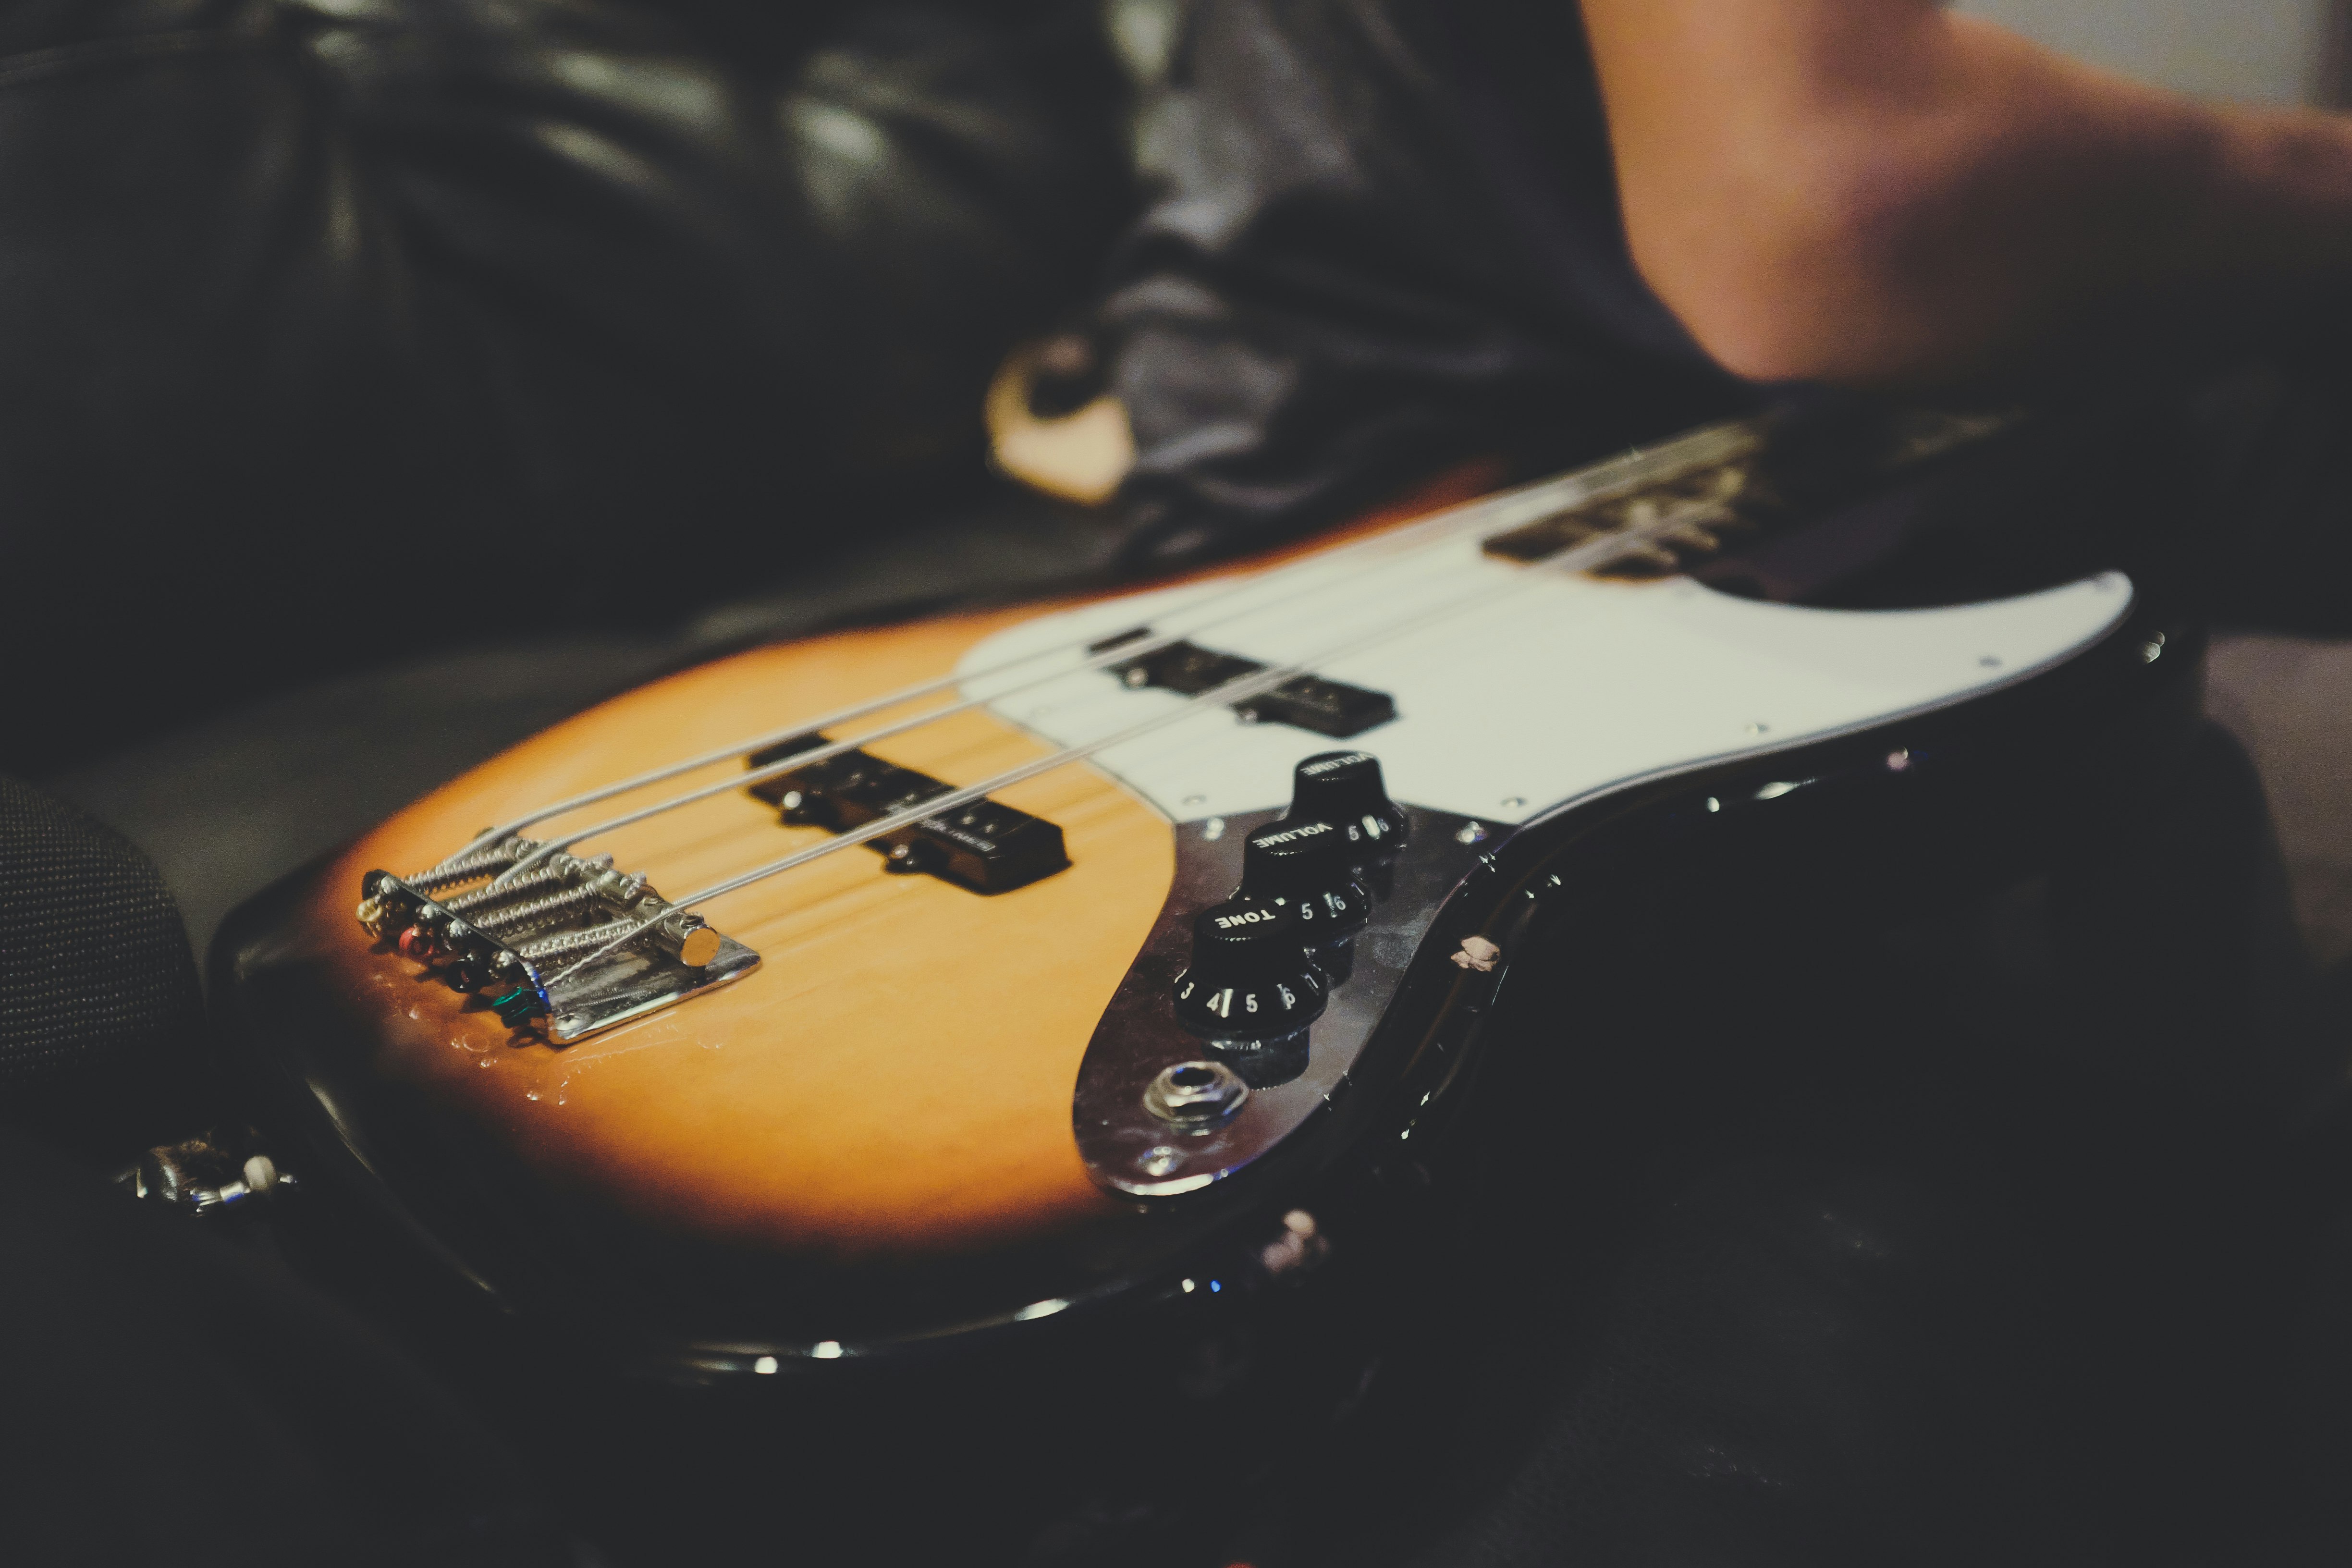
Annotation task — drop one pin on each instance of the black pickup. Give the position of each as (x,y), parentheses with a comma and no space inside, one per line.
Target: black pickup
(981,845)
(1311,702)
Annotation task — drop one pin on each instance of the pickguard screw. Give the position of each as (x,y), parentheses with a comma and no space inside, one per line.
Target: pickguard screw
(1470,833)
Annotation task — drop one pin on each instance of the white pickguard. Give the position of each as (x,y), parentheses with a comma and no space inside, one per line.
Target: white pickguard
(1551,687)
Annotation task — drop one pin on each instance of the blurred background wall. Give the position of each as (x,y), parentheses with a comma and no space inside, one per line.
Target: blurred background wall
(2266,51)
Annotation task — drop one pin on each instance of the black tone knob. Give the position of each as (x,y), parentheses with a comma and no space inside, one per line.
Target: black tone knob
(1344,789)
(1252,978)
(1309,865)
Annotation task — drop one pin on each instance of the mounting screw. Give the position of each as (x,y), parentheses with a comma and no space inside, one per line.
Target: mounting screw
(1195,1096)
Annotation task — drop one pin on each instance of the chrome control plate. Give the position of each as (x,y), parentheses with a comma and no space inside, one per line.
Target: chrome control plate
(1126,1147)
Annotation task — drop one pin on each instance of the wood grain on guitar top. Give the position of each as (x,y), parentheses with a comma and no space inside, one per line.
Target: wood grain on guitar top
(895,1077)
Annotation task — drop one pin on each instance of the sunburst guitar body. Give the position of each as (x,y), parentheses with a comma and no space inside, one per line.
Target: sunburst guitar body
(1033,976)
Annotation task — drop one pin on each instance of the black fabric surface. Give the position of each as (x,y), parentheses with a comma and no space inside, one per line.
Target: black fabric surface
(101,1022)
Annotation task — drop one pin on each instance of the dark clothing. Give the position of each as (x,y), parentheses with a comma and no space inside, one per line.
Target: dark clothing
(1382,236)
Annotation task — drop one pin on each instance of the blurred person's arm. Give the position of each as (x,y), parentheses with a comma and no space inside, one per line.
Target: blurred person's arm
(1875,192)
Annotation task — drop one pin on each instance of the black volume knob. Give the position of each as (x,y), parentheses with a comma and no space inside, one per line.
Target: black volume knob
(1252,978)
(1344,789)
(1309,866)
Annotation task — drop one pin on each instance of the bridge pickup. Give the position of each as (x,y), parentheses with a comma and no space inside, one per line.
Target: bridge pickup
(982,845)
(1311,702)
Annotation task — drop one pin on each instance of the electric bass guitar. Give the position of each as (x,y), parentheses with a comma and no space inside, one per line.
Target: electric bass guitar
(922,988)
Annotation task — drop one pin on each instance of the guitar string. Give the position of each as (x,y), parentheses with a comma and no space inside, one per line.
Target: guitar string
(1368,567)
(1512,509)
(1580,557)
(491,835)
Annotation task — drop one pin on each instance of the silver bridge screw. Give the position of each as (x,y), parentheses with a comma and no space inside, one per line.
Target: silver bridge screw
(529,882)
(538,908)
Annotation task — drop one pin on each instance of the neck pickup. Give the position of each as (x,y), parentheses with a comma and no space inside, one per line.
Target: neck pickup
(1311,702)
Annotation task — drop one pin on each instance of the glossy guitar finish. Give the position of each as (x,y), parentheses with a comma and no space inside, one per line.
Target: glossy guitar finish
(866,1145)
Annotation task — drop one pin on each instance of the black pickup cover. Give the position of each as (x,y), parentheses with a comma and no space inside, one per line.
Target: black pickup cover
(982,845)
(1311,702)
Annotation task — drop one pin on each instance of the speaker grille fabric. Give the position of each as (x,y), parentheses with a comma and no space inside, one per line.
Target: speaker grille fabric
(96,977)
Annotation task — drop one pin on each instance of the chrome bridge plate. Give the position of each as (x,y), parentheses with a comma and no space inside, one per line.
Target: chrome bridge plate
(633,983)
(567,946)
